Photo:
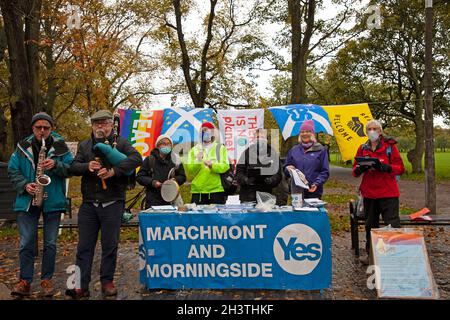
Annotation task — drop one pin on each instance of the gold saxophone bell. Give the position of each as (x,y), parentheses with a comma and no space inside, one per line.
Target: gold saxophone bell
(44,180)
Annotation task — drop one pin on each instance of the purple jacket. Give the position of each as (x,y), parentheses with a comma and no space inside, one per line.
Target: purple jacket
(313,163)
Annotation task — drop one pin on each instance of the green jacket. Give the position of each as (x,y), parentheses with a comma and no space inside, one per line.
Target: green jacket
(204,179)
(21,171)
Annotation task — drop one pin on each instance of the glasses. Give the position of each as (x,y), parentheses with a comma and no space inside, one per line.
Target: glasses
(42,128)
(101,123)
(372,129)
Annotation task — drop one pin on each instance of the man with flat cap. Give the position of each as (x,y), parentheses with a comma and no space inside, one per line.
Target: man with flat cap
(23,167)
(103,186)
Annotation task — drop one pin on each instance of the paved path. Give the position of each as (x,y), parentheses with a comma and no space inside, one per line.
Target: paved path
(412,193)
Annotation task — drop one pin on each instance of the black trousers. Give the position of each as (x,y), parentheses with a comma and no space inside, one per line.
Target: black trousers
(91,220)
(389,210)
(209,198)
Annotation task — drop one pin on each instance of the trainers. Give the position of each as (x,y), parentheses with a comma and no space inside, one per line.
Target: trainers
(47,288)
(21,289)
(77,294)
(109,290)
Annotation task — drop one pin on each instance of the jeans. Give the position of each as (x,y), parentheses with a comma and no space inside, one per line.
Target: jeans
(91,220)
(28,228)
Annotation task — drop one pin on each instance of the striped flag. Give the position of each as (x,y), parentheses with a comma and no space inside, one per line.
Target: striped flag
(291,117)
(141,128)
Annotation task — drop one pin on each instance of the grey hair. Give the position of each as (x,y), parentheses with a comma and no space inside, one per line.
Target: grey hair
(374,122)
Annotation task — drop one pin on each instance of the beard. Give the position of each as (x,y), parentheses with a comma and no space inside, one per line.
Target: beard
(99,134)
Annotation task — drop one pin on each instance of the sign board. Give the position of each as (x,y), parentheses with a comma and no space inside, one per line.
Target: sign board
(270,250)
(402,268)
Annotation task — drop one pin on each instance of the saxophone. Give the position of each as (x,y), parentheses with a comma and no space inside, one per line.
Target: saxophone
(42,179)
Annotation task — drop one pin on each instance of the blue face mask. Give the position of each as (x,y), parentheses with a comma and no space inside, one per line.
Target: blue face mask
(165,150)
(206,136)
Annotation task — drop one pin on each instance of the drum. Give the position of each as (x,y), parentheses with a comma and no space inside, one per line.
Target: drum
(170,192)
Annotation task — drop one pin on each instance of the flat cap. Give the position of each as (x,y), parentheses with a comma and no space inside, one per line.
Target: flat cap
(41,116)
(102,115)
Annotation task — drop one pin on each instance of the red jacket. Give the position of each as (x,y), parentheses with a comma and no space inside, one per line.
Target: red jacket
(376,184)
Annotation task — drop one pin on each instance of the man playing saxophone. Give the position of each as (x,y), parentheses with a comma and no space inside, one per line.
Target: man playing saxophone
(37,168)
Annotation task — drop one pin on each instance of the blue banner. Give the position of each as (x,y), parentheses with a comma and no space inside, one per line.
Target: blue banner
(275,250)
(183,124)
(291,117)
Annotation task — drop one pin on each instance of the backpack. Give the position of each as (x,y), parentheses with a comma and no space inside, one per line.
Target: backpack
(228,178)
(388,152)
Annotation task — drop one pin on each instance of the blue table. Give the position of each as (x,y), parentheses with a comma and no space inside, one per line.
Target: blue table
(267,250)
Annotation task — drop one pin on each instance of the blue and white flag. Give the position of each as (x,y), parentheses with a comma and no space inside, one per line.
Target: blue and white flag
(291,117)
(183,124)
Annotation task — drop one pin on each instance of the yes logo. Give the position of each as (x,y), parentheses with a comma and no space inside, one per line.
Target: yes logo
(297,249)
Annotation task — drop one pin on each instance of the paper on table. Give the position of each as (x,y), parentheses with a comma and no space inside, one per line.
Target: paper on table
(308,209)
(299,178)
(168,207)
(233,200)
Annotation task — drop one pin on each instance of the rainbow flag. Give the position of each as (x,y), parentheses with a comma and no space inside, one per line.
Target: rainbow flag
(141,128)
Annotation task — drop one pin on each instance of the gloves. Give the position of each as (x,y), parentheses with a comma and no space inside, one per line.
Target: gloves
(268,180)
(359,170)
(383,167)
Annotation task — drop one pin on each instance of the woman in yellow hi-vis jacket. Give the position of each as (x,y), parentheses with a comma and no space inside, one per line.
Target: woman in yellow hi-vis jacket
(206,162)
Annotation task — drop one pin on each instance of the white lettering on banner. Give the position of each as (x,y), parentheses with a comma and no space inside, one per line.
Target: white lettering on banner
(138,134)
(215,251)
(201,270)
(142,145)
(206,232)
(143,123)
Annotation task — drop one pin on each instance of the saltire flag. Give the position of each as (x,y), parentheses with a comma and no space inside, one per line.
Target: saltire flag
(291,117)
(183,124)
(141,128)
(349,126)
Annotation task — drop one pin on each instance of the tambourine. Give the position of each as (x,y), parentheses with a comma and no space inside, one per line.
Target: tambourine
(170,190)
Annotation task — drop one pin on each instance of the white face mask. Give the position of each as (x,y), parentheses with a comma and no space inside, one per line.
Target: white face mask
(373,135)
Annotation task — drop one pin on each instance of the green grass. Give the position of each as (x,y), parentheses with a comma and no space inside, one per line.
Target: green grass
(442,160)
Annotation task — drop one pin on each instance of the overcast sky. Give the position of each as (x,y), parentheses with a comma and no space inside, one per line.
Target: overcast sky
(264,77)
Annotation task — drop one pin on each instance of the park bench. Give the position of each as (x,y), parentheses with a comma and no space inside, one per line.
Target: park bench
(356,221)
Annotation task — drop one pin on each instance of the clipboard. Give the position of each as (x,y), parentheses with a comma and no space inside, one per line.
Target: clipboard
(367,161)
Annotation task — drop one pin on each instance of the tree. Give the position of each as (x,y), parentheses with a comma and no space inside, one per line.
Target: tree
(21,25)
(388,65)
(212,50)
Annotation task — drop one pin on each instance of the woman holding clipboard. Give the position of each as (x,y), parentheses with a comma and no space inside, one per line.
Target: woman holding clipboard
(379,163)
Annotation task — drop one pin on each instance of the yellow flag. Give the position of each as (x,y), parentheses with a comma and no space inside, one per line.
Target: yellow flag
(349,126)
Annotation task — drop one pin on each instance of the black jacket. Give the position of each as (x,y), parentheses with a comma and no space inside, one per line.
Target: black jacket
(91,185)
(250,175)
(156,169)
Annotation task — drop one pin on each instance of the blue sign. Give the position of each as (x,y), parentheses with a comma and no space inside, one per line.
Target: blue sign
(291,117)
(274,250)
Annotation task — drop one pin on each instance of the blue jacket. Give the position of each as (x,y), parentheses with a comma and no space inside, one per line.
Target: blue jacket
(313,163)
(21,171)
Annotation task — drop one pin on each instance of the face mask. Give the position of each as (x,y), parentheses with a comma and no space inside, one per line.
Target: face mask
(373,135)
(165,150)
(206,136)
